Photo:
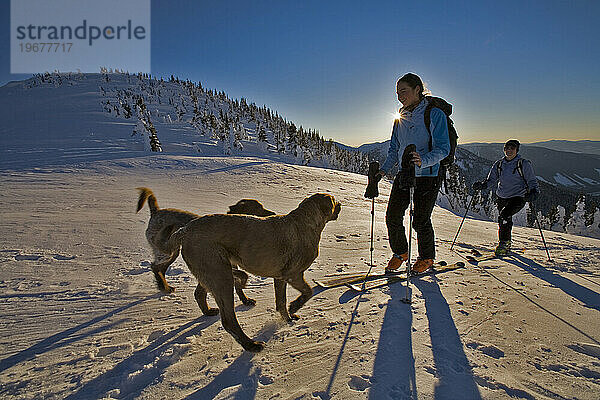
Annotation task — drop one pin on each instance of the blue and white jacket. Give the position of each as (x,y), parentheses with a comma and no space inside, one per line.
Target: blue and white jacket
(509,182)
(411,130)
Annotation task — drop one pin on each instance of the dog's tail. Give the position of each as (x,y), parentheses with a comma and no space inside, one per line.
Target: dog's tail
(146,194)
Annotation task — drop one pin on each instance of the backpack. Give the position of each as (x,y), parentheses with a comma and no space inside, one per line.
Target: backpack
(446,108)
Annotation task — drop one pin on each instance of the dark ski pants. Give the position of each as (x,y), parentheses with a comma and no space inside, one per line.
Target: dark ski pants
(424,197)
(507,208)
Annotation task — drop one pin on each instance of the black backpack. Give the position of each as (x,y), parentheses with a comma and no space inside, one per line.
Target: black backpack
(446,108)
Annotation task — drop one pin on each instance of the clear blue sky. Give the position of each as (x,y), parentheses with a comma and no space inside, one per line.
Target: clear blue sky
(524,69)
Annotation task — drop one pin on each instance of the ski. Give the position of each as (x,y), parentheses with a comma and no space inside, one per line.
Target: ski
(343,279)
(351,278)
(478,256)
(388,280)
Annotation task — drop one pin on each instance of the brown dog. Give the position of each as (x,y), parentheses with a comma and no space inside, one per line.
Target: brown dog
(163,222)
(280,246)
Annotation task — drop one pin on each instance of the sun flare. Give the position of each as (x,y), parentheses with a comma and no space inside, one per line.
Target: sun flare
(395,116)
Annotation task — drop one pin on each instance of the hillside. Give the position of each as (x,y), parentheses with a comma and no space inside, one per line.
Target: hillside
(109,115)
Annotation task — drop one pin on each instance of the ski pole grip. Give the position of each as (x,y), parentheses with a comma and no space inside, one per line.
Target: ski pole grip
(407,172)
(372,190)
(407,157)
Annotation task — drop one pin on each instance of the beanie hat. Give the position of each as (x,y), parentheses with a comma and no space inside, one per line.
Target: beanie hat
(513,142)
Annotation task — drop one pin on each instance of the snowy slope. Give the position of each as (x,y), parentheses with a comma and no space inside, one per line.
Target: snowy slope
(60,119)
(82,318)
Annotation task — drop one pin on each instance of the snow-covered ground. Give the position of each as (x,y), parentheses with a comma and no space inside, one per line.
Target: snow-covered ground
(82,318)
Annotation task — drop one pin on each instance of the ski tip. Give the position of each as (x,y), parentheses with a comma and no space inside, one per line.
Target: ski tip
(355,287)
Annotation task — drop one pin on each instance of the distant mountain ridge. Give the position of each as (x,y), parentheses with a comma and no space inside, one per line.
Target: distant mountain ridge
(575,146)
(570,170)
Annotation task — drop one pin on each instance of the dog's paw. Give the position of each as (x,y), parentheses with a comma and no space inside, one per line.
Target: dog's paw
(164,287)
(290,318)
(249,302)
(169,289)
(254,347)
(211,312)
(294,306)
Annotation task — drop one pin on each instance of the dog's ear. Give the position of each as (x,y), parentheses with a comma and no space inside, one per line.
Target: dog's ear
(336,210)
(328,206)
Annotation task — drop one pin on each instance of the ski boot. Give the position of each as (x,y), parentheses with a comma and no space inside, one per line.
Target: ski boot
(503,248)
(421,265)
(396,262)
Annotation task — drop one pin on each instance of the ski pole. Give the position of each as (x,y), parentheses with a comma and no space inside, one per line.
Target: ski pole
(408,299)
(408,179)
(461,222)
(371,192)
(372,247)
(540,229)
(535,216)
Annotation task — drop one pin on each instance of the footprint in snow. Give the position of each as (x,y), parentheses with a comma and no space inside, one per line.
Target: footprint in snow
(28,257)
(136,271)
(358,383)
(265,380)
(491,351)
(175,271)
(155,335)
(106,350)
(588,349)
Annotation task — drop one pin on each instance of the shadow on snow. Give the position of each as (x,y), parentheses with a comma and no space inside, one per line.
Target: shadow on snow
(68,336)
(394,368)
(587,296)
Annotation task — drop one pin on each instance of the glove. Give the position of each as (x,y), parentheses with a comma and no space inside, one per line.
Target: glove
(407,170)
(374,178)
(531,196)
(479,185)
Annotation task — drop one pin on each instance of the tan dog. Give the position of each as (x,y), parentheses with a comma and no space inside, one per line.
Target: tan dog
(163,222)
(281,247)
